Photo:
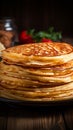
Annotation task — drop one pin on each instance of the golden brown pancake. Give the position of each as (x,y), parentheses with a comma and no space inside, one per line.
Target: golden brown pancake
(42,49)
(38,71)
(50,71)
(39,54)
(19,75)
(62,92)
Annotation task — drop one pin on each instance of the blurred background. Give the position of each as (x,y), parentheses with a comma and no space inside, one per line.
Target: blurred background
(40,14)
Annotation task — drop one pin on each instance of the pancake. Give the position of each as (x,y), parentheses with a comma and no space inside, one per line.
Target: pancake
(14,82)
(39,54)
(19,71)
(1,48)
(62,92)
(37,72)
(16,74)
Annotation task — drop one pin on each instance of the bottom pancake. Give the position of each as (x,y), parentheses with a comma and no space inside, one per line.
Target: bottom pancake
(51,94)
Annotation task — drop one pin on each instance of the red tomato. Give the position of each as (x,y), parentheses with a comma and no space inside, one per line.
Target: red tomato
(25,38)
(46,40)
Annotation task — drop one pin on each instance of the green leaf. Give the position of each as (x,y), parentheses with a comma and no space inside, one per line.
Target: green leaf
(50,34)
(31,32)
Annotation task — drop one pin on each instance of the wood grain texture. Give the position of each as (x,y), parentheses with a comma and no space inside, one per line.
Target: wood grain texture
(36,118)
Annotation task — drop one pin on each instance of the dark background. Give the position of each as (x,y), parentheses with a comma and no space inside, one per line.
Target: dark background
(40,14)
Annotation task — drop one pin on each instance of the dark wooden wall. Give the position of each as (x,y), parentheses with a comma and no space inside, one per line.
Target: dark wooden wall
(40,14)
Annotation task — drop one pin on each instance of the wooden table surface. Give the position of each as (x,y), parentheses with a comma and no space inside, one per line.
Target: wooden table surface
(36,117)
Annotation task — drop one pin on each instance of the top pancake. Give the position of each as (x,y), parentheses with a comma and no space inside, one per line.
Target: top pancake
(42,49)
(39,54)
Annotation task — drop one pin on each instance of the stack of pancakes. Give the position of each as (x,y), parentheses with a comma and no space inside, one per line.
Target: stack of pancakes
(38,71)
